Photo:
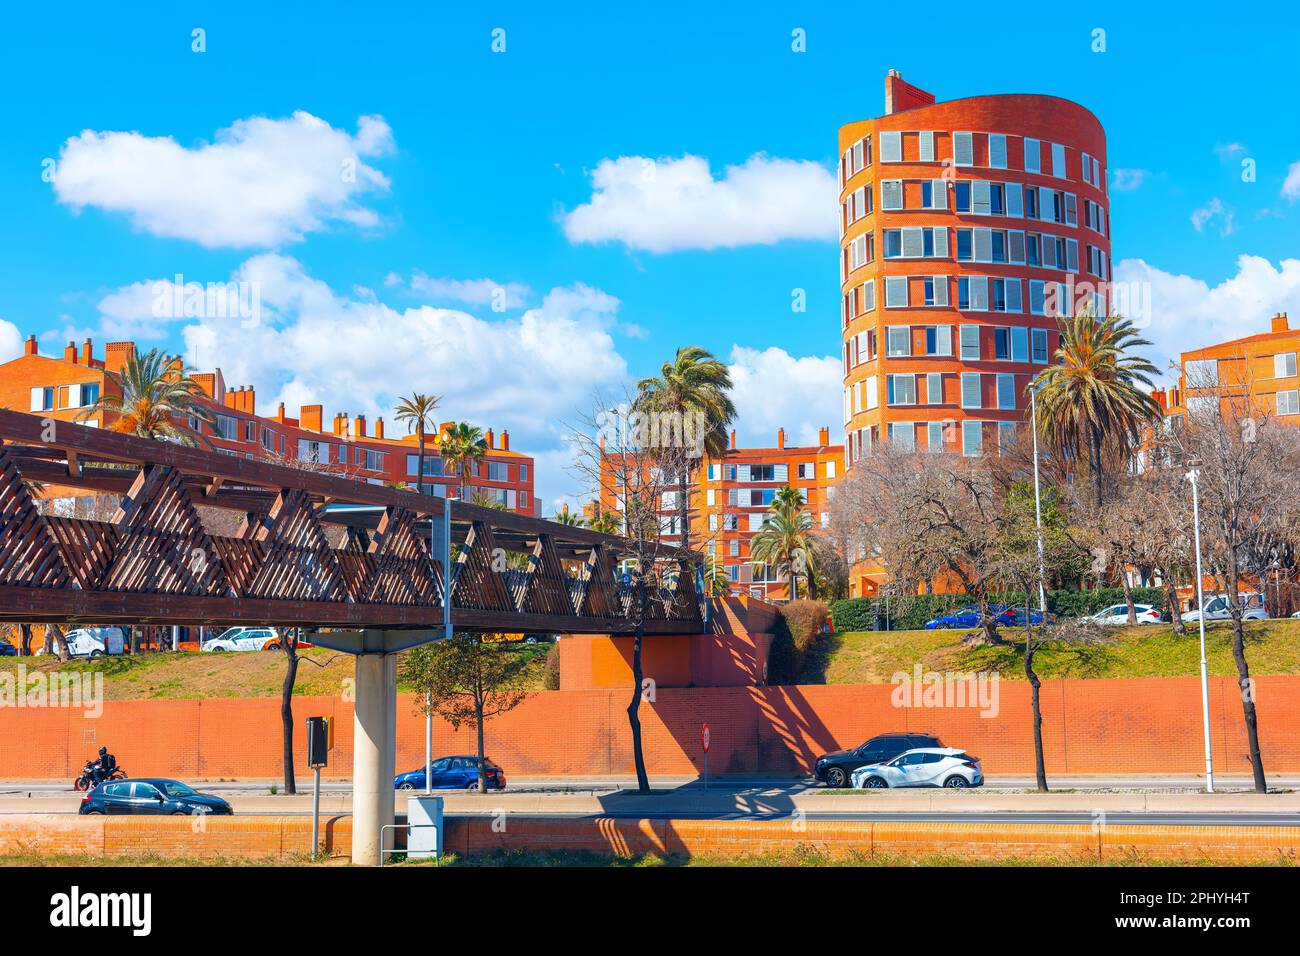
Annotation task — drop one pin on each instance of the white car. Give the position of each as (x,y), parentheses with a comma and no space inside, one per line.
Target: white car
(94,642)
(1216,609)
(1118,614)
(925,767)
(242,639)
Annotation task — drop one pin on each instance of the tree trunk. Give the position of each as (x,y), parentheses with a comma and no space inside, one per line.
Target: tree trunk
(633,708)
(1244,682)
(1094,452)
(60,640)
(290,646)
(478,728)
(990,626)
(1128,595)
(1175,612)
(684,508)
(1040,767)
(419,484)
(25,640)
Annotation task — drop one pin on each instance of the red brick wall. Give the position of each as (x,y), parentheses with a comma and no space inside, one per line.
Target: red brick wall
(1089,727)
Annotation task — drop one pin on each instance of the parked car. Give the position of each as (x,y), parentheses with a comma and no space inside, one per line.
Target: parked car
(1216,609)
(1035,617)
(1117,614)
(243,639)
(835,769)
(1296,614)
(7,649)
(453,773)
(93,642)
(924,767)
(969,617)
(151,796)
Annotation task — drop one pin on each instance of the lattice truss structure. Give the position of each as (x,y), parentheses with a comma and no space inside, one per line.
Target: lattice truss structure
(153,560)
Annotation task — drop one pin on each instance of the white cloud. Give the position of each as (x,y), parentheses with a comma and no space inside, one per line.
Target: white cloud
(1127,180)
(774,389)
(1227,151)
(11,341)
(1291,185)
(501,295)
(667,205)
(1215,210)
(1187,313)
(260,183)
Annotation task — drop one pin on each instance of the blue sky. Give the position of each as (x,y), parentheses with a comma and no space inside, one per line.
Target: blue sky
(475,170)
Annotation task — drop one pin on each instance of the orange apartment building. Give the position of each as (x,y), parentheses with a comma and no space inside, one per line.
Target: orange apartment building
(731,495)
(63,387)
(967,228)
(1256,372)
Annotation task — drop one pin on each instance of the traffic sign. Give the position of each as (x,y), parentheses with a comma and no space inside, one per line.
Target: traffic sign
(704,737)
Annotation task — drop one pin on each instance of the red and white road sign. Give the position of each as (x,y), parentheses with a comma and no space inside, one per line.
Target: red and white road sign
(704,737)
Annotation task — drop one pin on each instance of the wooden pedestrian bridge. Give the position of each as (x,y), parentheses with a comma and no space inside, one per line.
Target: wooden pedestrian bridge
(307,548)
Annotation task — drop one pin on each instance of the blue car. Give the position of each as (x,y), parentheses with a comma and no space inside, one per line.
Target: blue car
(969,617)
(1035,617)
(453,773)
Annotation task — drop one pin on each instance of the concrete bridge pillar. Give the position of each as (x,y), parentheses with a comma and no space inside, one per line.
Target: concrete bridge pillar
(373,742)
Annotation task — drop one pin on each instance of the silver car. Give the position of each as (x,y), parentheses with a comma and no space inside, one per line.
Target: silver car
(1117,615)
(1216,609)
(925,767)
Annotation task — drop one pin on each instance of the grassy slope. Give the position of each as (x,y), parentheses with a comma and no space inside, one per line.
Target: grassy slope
(254,674)
(869,657)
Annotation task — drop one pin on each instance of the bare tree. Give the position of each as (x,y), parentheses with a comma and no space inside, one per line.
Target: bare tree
(1246,462)
(629,463)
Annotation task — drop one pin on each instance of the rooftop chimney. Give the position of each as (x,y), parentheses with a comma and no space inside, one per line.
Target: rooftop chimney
(29,347)
(379,427)
(505,441)
(780,438)
(70,352)
(490,438)
(116,354)
(824,436)
(87,353)
(733,439)
(901,96)
(279,414)
(311,417)
(1280,323)
(361,426)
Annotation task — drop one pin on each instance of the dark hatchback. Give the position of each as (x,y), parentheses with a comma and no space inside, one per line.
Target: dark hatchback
(836,769)
(453,773)
(151,796)
(7,649)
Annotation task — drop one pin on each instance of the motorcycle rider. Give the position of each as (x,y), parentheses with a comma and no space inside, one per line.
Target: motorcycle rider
(103,768)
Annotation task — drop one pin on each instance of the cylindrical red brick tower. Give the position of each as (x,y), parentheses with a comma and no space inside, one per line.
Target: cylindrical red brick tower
(967,227)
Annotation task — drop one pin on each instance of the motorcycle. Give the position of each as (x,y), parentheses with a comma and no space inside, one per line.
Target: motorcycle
(87,779)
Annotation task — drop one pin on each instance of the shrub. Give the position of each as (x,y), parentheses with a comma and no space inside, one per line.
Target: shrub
(797,625)
(551,676)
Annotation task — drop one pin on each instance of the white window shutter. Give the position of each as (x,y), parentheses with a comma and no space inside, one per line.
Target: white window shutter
(1014,301)
(941,242)
(1033,156)
(781,473)
(1058,160)
(963,149)
(1015,201)
(38,400)
(979,293)
(913,242)
(981,202)
(891,146)
(1016,247)
(1072,255)
(927,146)
(982,243)
(891,194)
(939,193)
(944,333)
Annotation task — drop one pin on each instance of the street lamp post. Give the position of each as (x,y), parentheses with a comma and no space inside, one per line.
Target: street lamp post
(1192,476)
(1038,505)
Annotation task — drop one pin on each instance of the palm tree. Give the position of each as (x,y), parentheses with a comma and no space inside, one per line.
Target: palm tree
(694,386)
(788,495)
(783,542)
(605,522)
(570,518)
(462,447)
(416,411)
(1093,398)
(157,397)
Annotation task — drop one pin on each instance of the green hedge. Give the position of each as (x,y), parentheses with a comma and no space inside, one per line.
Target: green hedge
(796,627)
(911,613)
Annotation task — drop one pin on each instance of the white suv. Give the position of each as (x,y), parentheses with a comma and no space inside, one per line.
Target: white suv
(927,767)
(94,642)
(1118,615)
(243,639)
(1216,609)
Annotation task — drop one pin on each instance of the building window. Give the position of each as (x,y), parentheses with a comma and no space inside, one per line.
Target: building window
(972,439)
(997,151)
(1284,365)
(1038,343)
(1288,403)
(963,149)
(970,389)
(970,342)
(891,147)
(1058,160)
(268,439)
(891,194)
(896,292)
(1006,391)
(898,340)
(42,399)
(1201,373)
(902,389)
(902,435)
(1033,155)
(933,388)
(227,427)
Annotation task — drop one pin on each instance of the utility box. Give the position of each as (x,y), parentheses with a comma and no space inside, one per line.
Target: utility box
(424,838)
(320,740)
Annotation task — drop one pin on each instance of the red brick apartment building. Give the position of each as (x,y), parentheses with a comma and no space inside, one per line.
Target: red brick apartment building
(64,387)
(966,228)
(731,495)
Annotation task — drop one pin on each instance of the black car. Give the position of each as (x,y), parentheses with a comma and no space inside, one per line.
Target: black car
(156,796)
(7,649)
(835,769)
